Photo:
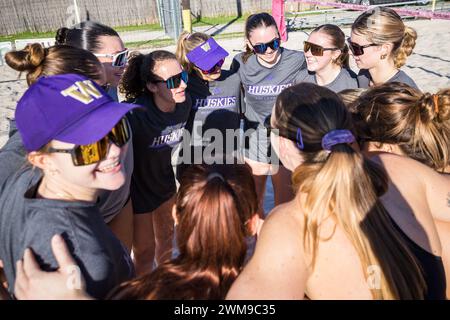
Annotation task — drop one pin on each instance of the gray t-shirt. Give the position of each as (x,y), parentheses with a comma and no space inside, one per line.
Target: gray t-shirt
(13,157)
(215,109)
(261,87)
(30,222)
(346,79)
(364,79)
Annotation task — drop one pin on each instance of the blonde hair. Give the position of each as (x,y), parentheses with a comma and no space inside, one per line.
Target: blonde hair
(186,43)
(343,184)
(383,25)
(419,123)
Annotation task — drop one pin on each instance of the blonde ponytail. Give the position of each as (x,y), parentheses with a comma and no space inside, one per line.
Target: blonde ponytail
(383,25)
(346,186)
(406,47)
(419,123)
(186,43)
(340,183)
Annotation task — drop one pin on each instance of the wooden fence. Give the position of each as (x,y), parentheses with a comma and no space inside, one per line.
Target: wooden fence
(48,15)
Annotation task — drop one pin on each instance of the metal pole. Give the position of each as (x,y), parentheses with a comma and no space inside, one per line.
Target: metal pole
(77,12)
(433,5)
(186,14)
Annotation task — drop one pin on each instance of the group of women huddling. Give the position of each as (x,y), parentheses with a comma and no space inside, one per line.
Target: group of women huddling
(94,191)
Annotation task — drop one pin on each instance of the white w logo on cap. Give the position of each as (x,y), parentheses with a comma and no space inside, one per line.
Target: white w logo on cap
(83,91)
(206,47)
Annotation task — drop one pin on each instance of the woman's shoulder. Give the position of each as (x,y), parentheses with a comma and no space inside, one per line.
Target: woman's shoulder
(286,217)
(406,172)
(295,56)
(403,77)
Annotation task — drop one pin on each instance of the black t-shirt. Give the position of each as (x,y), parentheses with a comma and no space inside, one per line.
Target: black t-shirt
(155,135)
(30,222)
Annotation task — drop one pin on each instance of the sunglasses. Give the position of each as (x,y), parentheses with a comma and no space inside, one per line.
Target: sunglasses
(298,139)
(316,50)
(119,59)
(262,47)
(175,81)
(83,155)
(358,50)
(218,65)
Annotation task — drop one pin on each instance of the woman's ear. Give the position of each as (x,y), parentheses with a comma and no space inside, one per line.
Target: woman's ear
(386,49)
(174,214)
(335,55)
(38,159)
(152,87)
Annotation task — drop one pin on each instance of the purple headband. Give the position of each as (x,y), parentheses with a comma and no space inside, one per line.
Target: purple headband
(335,137)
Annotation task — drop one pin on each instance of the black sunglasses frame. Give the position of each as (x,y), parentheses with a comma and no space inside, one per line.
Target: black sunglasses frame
(359,48)
(308,46)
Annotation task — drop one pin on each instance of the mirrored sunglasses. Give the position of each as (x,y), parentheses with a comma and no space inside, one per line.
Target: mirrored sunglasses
(262,47)
(83,155)
(119,59)
(175,81)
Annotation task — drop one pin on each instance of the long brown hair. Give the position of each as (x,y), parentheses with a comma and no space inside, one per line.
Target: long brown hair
(213,205)
(344,185)
(337,37)
(253,22)
(419,123)
(38,61)
(384,25)
(140,71)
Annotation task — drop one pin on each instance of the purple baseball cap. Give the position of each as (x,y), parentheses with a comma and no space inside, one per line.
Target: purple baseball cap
(70,108)
(206,55)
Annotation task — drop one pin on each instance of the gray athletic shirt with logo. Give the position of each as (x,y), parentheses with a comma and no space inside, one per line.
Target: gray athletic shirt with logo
(215,104)
(261,86)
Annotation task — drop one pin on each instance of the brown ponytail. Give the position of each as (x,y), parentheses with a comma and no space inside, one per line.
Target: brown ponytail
(419,124)
(38,61)
(213,205)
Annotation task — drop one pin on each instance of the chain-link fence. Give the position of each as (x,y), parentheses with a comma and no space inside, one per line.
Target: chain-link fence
(169,12)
